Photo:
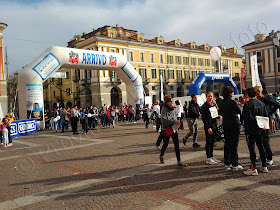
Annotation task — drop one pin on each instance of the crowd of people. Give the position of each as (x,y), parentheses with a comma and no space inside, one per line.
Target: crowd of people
(249,113)
(91,116)
(257,112)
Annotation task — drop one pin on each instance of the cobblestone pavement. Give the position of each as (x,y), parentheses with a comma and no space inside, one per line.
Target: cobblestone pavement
(119,169)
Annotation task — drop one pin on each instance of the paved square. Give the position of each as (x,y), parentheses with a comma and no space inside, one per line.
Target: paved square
(119,169)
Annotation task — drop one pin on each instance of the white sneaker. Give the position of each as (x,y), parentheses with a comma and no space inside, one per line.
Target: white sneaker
(237,168)
(216,160)
(210,161)
(269,162)
(264,170)
(249,172)
(228,167)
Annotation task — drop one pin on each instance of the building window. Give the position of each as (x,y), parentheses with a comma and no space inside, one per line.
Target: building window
(170,74)
(111,35)
(236,64)
(152,58)
(260,70)
(278,52)
(113,74)
(186,60)
(141,57)
(259,54)
(194,61)
(170,59)
(200,62)
(130,56)
(143,73)
(207,62)
(178,59)
(161,58)
(153,87)
(140,40)
(163,73)
(278,67)
(153,73)
(53,93)
(187,74)
(160,41)
(179,74)
(194,73)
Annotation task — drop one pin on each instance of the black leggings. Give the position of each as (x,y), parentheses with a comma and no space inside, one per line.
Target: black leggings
(176,145)
(252,140)
(210,139)
(231,145)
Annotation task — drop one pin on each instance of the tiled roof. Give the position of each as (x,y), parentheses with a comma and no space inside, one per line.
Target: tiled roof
(267,39)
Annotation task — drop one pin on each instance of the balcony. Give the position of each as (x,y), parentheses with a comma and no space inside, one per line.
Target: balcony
(85,82)
(115,80)
(259,59)
(180,80)
(75,79)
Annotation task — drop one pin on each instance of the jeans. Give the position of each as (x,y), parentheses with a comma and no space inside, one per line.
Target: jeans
(176,145)
(192,124)
(231,145)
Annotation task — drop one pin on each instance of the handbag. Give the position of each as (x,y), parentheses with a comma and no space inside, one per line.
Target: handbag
(168,131)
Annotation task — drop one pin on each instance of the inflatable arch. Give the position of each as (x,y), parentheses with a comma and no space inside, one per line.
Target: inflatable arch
(30,79)
(201,78)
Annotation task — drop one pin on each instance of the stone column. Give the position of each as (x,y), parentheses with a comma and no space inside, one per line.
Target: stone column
(3,87)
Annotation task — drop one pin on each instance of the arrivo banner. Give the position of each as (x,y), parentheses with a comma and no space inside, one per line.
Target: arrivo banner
(23,127)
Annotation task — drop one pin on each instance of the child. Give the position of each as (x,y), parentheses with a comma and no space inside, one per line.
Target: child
(4,132)
(8,120)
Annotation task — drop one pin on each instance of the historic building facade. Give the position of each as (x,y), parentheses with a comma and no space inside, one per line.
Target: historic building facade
(268,59)
(178,64)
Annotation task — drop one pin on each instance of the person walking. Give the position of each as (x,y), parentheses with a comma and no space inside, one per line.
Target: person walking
(192,120)
(156,111)
(209,115)
(74,119)
(251,109)
(169,121)
(229,109)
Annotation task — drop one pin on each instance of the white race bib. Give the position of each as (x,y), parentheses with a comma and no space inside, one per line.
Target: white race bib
(214,112)
(263,122)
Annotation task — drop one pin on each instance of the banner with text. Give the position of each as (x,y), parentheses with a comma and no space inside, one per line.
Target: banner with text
(23,127)
(254,72)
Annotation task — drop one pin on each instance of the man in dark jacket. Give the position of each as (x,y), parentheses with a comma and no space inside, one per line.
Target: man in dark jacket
(193,115)
(271,107)
(251,109)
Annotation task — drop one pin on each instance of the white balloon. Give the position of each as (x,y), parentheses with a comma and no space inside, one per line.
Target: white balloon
(215,53)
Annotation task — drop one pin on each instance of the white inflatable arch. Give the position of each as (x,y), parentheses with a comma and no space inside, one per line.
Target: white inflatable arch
(31,78)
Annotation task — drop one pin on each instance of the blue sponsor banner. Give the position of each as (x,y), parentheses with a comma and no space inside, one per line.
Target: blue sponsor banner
(23,127)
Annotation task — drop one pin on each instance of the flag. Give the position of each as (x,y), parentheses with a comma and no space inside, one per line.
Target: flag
(254,72)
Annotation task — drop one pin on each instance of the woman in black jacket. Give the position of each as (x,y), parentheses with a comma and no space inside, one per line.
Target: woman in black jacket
(229,110)
(209,115)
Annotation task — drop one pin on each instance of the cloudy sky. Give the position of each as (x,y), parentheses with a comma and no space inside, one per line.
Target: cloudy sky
(36,25)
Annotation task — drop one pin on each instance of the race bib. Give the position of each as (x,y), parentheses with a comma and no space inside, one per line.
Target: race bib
(214,112)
